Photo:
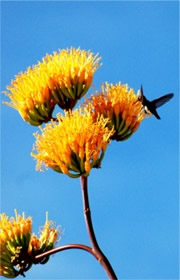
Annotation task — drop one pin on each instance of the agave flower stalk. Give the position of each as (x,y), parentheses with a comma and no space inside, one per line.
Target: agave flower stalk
(94,250)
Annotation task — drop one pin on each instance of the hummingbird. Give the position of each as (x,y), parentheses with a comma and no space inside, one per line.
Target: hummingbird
(151,106)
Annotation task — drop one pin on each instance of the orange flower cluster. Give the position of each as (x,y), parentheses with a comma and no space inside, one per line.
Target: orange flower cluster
(74,145)
(62,78)
(121,106)
(18,246)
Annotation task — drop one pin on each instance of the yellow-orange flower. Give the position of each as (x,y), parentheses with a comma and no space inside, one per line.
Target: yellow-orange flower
(71,73)
(61,78)
(17,246)
(30,96)
(48,237)
(121,106)
(74,145)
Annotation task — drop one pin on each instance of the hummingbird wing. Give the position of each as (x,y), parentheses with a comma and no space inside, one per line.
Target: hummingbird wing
(162,100)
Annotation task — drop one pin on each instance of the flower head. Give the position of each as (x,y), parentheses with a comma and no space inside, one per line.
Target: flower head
(17,246)
(71,74)
(30,95)
(121,106)
(74,145)
(48,236)
(61,78)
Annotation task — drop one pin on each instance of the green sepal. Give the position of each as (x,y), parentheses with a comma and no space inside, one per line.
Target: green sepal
(72,92)
(65,93)
(48,107)
(33,116)
(27,239)
(5,262)
(7,275)
(57,169)
(121,126)
(73,168)
(49,246)
(37,113)
(97,163)
(84,91)
(11,246)
(109,125)
(73,175)
(32,122)
(86,174)
(19,241)
(74,89)
(7,253)
(15,242)
(75,161)
(79,89)
(126,137)
(42,111)
(112,117)
(43,247)
(44,260)
(127,131)
(23,240)
(61,95)
(29,265)
(123,130)
(116,121)
(55,97)
(82,165)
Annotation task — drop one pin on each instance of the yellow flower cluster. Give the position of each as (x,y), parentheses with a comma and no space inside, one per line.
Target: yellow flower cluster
(61,78)
(74,145)
(47,238)
(17,246)
(71,70)
(121,106)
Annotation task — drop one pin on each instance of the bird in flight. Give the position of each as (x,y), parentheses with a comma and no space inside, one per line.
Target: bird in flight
(151,106)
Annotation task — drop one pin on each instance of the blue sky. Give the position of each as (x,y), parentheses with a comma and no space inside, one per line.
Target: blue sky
(134,196)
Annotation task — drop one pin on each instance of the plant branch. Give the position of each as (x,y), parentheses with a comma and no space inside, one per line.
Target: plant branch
(95,250)
(63,248)
(95,247)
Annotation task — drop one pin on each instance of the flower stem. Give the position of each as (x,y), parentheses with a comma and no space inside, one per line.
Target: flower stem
(95,247)
(63,248)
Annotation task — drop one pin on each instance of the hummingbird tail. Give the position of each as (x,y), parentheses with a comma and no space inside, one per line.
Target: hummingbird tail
(155,113)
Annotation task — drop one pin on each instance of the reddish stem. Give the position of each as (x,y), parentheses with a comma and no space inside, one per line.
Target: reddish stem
(95,247)
(65,247)
(95,250)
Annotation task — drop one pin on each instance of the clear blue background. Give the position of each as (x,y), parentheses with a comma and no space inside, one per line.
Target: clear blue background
(134,197)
